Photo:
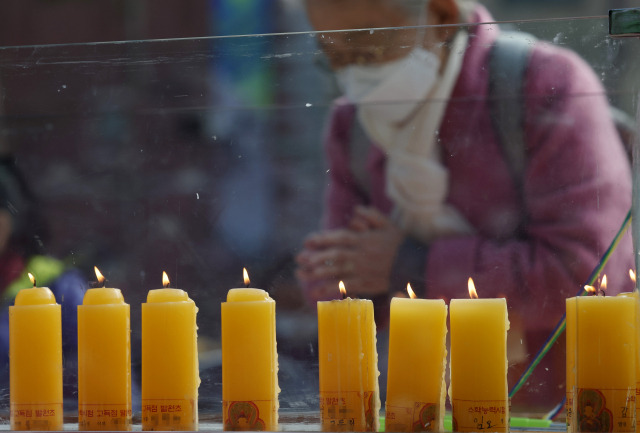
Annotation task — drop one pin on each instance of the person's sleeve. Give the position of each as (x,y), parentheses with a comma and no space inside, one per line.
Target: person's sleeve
(577,191)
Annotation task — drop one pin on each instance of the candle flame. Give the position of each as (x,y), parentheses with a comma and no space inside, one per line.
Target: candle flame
(245,275)
(165,280)
(472,289)
(99,275)
(589,289)
(343,289)
(32,278)
(632,275)
(603,284)
(410,291)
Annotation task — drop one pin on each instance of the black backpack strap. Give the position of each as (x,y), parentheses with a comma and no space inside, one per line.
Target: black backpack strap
(508,62)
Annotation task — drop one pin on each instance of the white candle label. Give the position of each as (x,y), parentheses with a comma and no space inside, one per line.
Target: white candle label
(104,417)
(347,411)
(605,410)
(418,417)
(168,415)
(486,415)
(249,415)
(36,416)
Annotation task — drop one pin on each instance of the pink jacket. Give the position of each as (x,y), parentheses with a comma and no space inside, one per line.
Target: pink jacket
(577,186)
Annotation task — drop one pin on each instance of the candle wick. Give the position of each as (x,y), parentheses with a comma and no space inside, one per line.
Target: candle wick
(344,296)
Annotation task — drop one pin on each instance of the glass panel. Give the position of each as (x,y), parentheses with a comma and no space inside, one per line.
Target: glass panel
(199,157)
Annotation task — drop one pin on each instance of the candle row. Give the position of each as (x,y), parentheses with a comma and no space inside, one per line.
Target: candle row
(170,376)
(601,362)
(349,397)
(347,353)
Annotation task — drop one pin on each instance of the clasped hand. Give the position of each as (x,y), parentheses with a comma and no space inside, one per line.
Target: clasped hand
(361,255)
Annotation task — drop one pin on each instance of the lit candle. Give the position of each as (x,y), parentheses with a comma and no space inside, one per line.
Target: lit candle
(417,363)
(249,360)
(349,394)
(605,362)
(104,360)
(35,360)
(170,376)
(479,363)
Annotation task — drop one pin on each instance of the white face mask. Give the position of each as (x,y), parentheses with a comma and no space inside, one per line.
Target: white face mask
(400,84)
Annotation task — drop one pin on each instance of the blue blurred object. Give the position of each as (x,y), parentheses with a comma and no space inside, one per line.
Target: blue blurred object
(241,79)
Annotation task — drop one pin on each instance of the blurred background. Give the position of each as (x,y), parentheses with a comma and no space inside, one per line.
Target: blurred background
(199,156)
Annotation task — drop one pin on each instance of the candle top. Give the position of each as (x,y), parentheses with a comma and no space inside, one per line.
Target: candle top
(597,299)
(167,295)
(103,296)
(35,296)
(247,295)
(416,301)
(349,299)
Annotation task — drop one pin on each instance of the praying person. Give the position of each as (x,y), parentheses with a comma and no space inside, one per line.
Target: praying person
(419,187)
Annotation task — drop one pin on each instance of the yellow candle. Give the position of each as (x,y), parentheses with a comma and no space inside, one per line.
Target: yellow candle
(104,360)
(349,394)
(417,362)
(479,364)
(249,361)
(35,360)
(170,376)
(605,363)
